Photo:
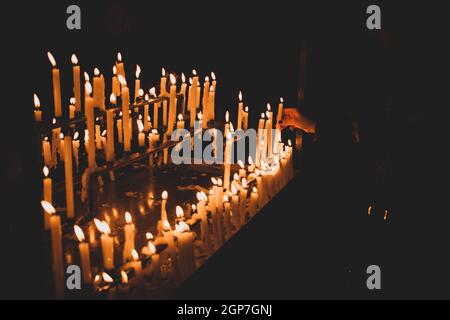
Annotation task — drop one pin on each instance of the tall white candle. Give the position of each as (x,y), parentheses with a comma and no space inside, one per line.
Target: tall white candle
(56,86)
(76,82)
(183,92)
(85,258)
(240,111)
(164,197)
(172,104)
(130,233)
(204,226)
(68,174)
(107,243)
(137,82)
(126,114)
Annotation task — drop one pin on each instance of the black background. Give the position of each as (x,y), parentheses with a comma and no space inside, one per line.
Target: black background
(255,46)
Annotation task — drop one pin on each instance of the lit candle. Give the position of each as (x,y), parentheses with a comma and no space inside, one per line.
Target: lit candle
(172,104)
(137,82)
(89,110)
(214,82)
(107,243)
(155,108)
(227,167)
(211,104)
(280,110)
(130,232)
(204,226)
(260,139)
(47,152)
(37,109)
(227,123)
(120,66)
(191,103)
(126,114)
(57,252)
(68,174)
(141,136)
(253,205)
(85,258)
(61,147)
(75,149)
(120,128)
(186,257)
(195,89)
(110,114)
(245,118)
(183,92)
(205,106)
(72,108)
(163,83)
(213,211)
(115,83)
(56,86)
(240,112)
(164,197)
(180,122)
(269,131)
(76,82)
(99,90)
(147,124)
(48,194)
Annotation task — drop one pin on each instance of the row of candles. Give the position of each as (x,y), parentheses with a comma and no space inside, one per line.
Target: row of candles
(220,213)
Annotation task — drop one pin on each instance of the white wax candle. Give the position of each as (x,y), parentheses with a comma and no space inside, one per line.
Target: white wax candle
(204,226)
(172,104)
(126,115)
(163,83)
(107,243)
(205,108)
(130,231)
(76,83)
(227,164)
(56,86)
(240,111)
(253,205)
(260,139)
(47,152)
(89,110)
(137,83)
(212,104)
(164,197)
(269,134)
(110,114)
(183,92)
(85,259)
(227,217)
(235,207)
(68,174)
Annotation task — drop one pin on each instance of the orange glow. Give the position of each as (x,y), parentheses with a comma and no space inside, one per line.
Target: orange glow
(48,207)
(124,276)
(385,215)
(214,181)
(219,182)
(74,59)
(52,59)
(369,211)
(79,233)
(183,78)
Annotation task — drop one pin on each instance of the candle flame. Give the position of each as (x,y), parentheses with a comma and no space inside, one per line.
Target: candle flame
(268,115)
(96,72)
(213,76)
(281,100)
(149,236)
(164,195)
(135,255)
(173,79)
(119,57)
(211,89)
(76,135)
(146,97)
(214,181)
(122,80)
(37,103)
(61,136)
(200,116)
(250,160)
(240,96)
(153,92)
(152,248)
(180,117)
(48,207)
(229,136)
(194,72)
(290,143)
(236,177)
(244,183)
(140,92)
(138,71)
(263,116)
(128,218)
(233,190)
(269,108)
(102,226)
(227,116)
(163,72)
(114,70)
(140,125)
(74,59)
(184,226)
(385,215)
(88,88)
(45,171)
(79,233)
(206,79)
(113,99)
(86,76)
(190,81)
(107,278)
(246,109)
(52,59)
(255,190)
(179,212)
(241,164)
(183,78)
(369,211)
(219,182)
(73,101)
(124,277)
(231,128)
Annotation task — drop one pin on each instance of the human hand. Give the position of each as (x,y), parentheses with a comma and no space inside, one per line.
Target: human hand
(294,119)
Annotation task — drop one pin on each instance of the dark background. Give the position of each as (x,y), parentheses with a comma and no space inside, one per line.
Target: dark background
(268,50)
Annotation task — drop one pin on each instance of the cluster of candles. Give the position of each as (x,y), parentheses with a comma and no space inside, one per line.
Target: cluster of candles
(220,211)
